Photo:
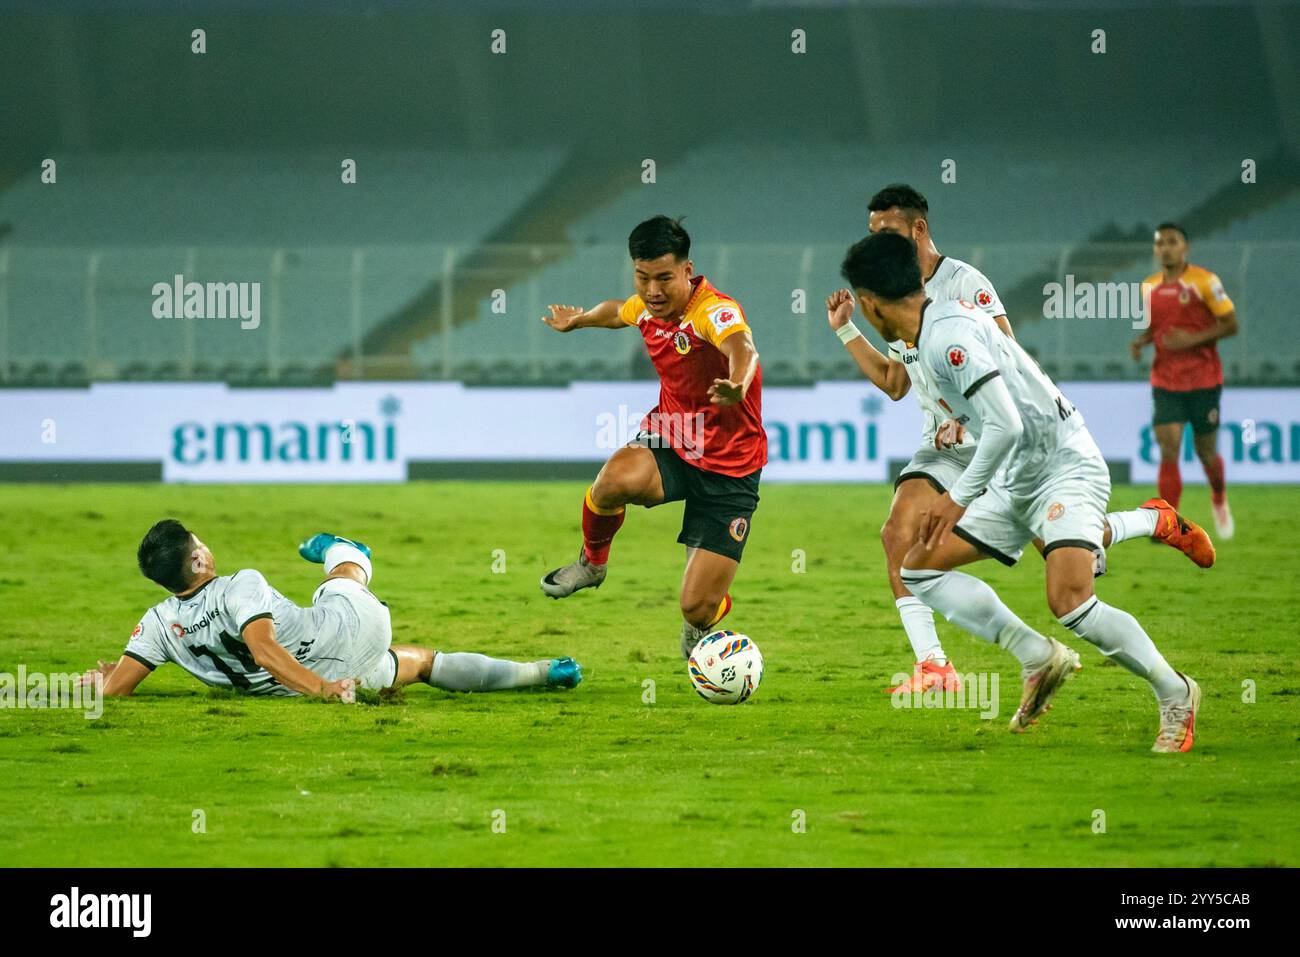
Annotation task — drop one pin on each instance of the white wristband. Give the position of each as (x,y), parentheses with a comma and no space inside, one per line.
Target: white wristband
(848,332)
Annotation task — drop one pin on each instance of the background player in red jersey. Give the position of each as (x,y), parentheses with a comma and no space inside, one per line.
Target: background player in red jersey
(703,444)
(1189,312)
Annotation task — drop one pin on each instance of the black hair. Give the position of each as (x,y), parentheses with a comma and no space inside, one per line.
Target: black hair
(883,264)
(656,237)
(909,201)
(1174,226)
(164,555)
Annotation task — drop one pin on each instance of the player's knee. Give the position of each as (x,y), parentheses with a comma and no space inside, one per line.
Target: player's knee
(610,490)
(1065,597)
(699,612)
(897,537)
(618,483)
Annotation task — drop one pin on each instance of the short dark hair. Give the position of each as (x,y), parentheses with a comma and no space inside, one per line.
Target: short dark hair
(164,555)
(1174,226)
(908,200)
(883,264)
(658,236)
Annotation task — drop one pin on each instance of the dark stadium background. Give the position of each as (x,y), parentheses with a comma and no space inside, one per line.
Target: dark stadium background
(522,172)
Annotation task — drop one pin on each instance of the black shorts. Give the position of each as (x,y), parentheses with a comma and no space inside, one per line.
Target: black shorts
(718,509)
(1197,406)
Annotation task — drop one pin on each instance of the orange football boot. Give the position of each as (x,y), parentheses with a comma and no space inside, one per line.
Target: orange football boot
(926,674)
(1181,533)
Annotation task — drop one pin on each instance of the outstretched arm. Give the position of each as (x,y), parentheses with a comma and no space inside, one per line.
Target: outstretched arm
(742,363)
(117,678)
(888,376)
(259,635)
(603,315)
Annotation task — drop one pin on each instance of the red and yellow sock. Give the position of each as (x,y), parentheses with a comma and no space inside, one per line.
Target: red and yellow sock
(724,608)
(599,526)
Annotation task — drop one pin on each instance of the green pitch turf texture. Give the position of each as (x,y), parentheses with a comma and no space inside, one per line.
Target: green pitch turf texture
(598,776)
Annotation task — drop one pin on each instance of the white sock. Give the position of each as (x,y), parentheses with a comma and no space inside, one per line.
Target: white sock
(918,622)
(341,552)
(1118,636)
(1138,523)
(971,604)
(467,671)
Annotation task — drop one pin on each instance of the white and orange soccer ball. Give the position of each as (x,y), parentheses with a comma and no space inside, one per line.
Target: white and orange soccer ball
(725,667)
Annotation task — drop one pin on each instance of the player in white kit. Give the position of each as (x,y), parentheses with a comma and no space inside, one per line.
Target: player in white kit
(946,447)
(236,631)
(1035,473)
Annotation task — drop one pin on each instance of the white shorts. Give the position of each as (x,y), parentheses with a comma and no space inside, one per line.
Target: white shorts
(941,468)
(358,642)
(1067,509)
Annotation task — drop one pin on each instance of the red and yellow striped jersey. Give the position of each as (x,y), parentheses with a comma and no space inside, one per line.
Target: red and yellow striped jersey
(727,439)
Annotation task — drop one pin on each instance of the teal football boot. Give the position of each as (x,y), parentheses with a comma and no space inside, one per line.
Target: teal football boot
(314,548)
(563,673)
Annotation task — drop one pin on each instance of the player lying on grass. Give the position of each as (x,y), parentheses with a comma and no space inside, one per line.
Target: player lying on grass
(236,631)
(1036,473)
(703,444)
(946,449)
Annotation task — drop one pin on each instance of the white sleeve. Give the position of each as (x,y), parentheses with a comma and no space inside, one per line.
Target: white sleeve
(145,644)
(1000,430)
(960,356)
(248,598)
(974,287)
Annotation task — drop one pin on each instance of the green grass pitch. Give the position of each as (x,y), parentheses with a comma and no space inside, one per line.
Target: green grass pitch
(598,776)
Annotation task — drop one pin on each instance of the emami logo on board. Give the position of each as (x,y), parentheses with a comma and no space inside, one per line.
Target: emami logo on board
(821,440)
(288,441)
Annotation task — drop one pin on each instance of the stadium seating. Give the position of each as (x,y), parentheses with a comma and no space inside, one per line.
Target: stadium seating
(770,224)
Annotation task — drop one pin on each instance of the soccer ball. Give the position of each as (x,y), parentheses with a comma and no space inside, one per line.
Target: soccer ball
(725,667)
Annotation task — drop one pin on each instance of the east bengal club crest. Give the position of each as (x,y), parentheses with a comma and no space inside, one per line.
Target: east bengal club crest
(1184,297)
(682,343)
(738,528)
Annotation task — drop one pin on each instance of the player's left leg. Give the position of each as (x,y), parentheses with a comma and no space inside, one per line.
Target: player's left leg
(1118,635)
(1205,438)
(466,671)
(342,557)
(706,594)
(715,527)
(990,529)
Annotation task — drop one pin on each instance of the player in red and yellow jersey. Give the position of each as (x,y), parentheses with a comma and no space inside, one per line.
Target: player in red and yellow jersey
(1189,312)
(703,444)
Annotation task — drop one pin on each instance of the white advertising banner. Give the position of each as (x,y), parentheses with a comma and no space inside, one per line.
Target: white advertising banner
(834,431)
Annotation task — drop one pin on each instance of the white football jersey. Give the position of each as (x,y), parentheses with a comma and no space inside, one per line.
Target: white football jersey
(951,279)
(203,632)
(961,350)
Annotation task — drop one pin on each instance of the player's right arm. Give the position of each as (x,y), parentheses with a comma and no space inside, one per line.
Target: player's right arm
(604,315)
(1145,338)
(888,376)
(145,650)
(259,635)
(117,678)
